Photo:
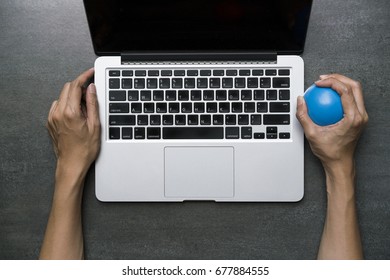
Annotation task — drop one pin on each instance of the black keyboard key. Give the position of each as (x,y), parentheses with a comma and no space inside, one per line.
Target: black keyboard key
(202,82)
(205,119)
(272,94)
(236,107)
(166,73)
(211,107)
(158,95)
(174,107)
(177,83)
(284,135)
(155,120)
(189,82)
(148,108)
(232,133)
(119,108)
(284,72)
(245,72)
(243,119)
(234,95)
(151,83)
(284,94)
(279,107)
(246,132)
(272,129)
(170,95)
(186,107)
(230,120)
(179,73)
(127,83)
(167,120)
(246,95)
(192,73)
(127,133)
(183,95)
(208,95)
(153,73)
(193,132)
(227,82)
(114,73)
(239,82)
(139,133)
(196,95)
(114,133)
(215,82)
(265,82)
(180,120)
(142,120)
(193,119)
(114,83)
(218,119)
(276,119)
(117,95)
(139,83)
(121,120)
(136,107)
(259,135)
(199,107)
(146,95)
(140,73)
(258,72)
(259,94)
(165,83)
(161,107)
(231,72)
(205,72)
(224,107)
(249,107)
(255,119)
(270,72)
(221,94)
(262,107)
(281,82)
(253,83)
(153,133)
(219,72)
(272,136)
(127,73)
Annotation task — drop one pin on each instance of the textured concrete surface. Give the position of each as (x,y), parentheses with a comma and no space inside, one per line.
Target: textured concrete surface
(45,43)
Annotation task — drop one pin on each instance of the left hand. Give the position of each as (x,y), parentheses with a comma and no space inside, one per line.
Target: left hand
(74,124)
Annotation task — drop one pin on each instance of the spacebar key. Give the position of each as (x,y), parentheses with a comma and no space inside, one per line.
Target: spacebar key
(193,133)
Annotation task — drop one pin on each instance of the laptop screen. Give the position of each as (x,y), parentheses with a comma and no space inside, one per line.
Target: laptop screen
(198,25)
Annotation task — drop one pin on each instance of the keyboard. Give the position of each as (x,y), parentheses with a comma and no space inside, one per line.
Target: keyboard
(221,103)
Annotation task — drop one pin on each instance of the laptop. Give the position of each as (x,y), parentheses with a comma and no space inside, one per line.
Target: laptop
(197,99)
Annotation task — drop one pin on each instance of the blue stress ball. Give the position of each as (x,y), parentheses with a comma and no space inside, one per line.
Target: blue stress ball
(324,105)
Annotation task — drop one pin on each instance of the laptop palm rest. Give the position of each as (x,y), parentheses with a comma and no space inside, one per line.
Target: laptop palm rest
(199,172)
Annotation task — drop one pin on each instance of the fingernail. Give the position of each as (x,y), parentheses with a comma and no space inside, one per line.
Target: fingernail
(92,88)
(300,100)
(323,76)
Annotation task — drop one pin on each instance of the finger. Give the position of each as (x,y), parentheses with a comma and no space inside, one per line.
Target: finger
(345,92)
(356,90)
(92,104)
(63,98)
(76,91)
(303,116)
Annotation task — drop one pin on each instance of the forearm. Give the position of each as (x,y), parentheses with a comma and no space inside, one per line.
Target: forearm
(63,238)
(341,235)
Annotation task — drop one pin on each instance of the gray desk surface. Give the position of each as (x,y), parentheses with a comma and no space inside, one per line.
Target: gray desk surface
(44,44)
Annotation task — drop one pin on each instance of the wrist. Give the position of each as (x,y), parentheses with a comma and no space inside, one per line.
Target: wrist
(340,179)
(69,179)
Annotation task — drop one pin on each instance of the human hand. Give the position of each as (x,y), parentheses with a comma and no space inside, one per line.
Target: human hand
(74,124)
(335,144)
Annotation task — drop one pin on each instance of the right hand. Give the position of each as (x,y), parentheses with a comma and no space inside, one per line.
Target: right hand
(336,143)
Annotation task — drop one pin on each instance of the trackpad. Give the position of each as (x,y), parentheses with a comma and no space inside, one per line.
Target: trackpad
(199,172)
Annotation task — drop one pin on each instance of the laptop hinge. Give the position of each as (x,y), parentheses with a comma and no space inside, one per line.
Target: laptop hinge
(131,58)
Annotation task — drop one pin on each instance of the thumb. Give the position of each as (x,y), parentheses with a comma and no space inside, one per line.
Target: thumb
(302,114)
(92,104)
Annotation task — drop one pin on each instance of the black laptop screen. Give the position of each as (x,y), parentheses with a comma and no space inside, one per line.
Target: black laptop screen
(198,25)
